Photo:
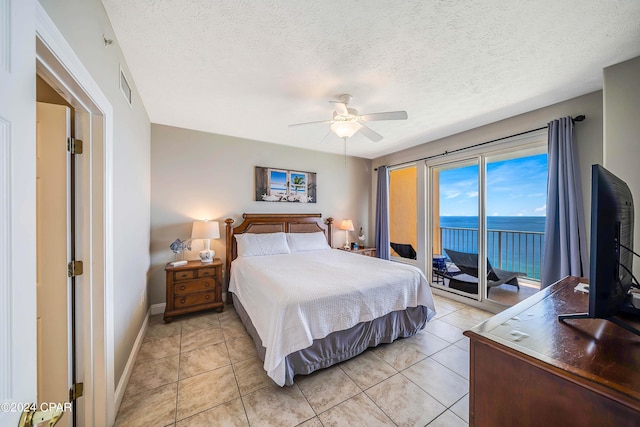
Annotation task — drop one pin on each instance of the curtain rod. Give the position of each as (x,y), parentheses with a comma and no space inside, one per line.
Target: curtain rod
(579,118)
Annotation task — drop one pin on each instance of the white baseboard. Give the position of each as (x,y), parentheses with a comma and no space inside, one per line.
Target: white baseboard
(157,308)
(124,379)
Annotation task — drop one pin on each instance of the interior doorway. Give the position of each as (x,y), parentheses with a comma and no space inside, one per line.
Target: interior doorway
(55,309)
(59,67)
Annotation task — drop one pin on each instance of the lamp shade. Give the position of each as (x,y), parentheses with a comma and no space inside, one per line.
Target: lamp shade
(205,230)
(347,225)
(345,129)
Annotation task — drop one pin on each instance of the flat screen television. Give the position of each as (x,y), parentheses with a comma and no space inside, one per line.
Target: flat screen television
(611,260)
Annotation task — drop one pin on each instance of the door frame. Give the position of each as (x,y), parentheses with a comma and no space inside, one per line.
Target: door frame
(59,66)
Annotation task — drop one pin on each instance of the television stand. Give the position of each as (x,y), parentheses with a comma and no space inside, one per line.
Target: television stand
(529,369)
(621,323)
(629,308)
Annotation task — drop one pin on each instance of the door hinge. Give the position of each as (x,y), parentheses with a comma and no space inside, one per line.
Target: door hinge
(76,391)
(74,268)
(74,146)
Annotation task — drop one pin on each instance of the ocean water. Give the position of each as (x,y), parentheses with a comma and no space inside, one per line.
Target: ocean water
(514,243)
(514,223)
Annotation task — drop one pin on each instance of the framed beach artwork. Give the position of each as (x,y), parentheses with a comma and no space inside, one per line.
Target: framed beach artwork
(284,185)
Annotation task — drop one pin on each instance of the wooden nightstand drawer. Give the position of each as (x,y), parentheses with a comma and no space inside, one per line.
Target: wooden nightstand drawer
(207,272)
(194,286)
(183,275)
(194,299)
(366,251)
(369,252)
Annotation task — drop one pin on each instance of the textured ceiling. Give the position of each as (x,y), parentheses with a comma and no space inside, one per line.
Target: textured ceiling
(250,68)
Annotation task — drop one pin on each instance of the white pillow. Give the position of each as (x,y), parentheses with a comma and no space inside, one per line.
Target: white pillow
(252,244)
(300,242)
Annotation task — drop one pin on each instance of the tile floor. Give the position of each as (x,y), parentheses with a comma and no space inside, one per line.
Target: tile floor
(203,370)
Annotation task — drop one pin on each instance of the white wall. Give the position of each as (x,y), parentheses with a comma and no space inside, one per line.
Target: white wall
(622,131)
(197,175)
(83,23)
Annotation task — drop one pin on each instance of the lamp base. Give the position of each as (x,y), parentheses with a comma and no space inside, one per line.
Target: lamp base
(207,255)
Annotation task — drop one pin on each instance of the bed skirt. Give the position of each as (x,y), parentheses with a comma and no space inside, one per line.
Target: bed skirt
(342,345)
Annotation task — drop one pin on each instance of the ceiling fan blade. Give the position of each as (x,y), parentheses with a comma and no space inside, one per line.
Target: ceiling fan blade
(389,115)
(370,133)
(310,123)
(341,108)
(325,137)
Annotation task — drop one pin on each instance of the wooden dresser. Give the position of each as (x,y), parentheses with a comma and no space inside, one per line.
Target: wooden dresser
(193,287)
(529,369)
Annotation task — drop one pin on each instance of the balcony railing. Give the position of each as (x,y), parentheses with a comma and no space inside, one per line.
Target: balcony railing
(506,249)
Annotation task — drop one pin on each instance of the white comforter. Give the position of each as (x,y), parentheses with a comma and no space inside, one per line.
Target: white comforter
(295,298)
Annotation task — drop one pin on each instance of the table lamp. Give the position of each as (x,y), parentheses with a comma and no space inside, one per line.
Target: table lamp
(206,230)
(347,226)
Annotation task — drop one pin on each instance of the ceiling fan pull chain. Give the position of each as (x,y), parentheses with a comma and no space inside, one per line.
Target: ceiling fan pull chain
(345,152)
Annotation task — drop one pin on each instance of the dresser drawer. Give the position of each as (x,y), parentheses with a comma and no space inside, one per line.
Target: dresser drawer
(207,272)
(194,299)
(192,286)
(183,275)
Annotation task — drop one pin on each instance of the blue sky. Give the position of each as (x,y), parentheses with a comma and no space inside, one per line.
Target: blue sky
(516,187)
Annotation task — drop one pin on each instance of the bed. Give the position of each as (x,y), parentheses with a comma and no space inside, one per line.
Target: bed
(308,306)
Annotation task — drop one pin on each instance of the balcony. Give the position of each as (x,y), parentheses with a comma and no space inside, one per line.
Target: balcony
(507,250)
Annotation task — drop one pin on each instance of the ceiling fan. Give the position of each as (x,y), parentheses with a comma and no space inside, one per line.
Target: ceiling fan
(347,121)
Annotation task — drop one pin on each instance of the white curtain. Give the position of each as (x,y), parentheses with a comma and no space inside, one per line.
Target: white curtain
(565,248)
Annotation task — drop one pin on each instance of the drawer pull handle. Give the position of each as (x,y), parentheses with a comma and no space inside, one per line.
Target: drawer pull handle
(207,296)
(207,284)
(182,300)
(182,288)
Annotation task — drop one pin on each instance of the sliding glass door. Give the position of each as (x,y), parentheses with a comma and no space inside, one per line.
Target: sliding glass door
(487,219)
(516,197)
(455,225)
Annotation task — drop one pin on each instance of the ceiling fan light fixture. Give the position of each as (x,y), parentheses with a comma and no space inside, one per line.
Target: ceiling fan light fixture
(345,129)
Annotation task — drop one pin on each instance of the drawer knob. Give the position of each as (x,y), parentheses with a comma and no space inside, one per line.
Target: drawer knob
(207,296)
(182,300)
(207,284)
(182,288)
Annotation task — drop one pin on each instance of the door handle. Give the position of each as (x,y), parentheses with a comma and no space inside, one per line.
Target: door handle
(30,417)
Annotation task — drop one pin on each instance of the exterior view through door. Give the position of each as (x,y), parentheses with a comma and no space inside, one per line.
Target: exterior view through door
(506,242)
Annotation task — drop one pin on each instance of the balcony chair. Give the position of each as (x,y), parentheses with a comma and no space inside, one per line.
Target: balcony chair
(467,279)
(405,250)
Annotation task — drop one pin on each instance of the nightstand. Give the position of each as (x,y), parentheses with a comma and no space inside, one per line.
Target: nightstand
(193,287)
(362,250)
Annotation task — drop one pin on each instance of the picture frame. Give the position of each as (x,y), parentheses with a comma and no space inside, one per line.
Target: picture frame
(284,185)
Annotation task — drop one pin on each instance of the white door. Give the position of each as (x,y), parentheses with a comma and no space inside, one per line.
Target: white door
(18,361)
(52,253)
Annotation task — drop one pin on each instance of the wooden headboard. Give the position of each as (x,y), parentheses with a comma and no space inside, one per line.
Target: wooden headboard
(273,223)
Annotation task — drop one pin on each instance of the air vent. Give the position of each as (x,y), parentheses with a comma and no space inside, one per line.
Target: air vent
(124,87)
